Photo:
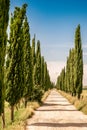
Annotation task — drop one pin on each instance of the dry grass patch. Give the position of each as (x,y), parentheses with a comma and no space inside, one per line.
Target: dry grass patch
(45,95)
(20,115)
(80,105)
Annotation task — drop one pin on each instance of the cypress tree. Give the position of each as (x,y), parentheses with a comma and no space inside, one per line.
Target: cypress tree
(38,63)
(63,79)
(78,62)
(27,62)
(42,72)
(45,76)
(15,71)
(48,81)
(72,75)
(33,51)
(4,9)
(38,50)
(68,75)
(37,89)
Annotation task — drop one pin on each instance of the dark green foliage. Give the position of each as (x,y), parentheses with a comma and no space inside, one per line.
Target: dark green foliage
(33,51)
(74,69)
(38,50)
(15,76)
(61,80)
(38,67)
(78,62)
(45,77)
(28,84)
(4,9)
(37,93)
(41,78)
(25,69)
(42,72)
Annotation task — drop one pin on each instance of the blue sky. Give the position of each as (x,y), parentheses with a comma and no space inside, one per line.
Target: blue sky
(54,23)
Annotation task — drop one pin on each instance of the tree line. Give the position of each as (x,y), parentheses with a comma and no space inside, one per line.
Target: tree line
(23,70)
(70,79)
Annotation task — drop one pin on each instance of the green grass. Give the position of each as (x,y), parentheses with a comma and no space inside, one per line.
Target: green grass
(20,116)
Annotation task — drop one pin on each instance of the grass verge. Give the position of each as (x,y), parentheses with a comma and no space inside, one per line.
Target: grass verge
(21,115)
(80,105)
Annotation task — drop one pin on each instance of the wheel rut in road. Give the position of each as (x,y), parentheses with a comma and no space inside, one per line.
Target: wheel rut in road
(57,114)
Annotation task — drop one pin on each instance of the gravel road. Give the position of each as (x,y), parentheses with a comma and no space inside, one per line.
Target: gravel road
(57,114)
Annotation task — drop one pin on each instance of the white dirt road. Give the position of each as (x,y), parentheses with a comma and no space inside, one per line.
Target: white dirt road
(57,114)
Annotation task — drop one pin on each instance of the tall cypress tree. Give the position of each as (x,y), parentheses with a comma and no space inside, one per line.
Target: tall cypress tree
(27,62)
(42,72)
(38,49)
(15,71)
(33,51)
(72,74)
(38,63)
(37,75)
(78,62)
(45,76)
(4,9)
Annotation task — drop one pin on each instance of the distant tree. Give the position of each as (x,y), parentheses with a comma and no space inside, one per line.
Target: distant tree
(27,63)
(38,49)
(78,81)
(42,72)
(33,51)
(72,72)
(74,69)
(45,76)
(38,63)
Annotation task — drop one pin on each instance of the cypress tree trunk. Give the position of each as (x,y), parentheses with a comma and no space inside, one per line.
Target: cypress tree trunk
(3,119)
(25,103)
(12,113)
(78,95)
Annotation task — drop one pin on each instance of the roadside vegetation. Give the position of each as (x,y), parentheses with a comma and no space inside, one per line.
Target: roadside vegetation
(21,113)
(24,77)
(70,79)
(81,104)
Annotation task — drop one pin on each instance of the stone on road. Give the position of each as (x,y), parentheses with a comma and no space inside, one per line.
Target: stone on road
(57,114)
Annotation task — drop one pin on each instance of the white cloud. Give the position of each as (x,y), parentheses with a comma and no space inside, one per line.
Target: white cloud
(56,67)
(85,53)
(84,46)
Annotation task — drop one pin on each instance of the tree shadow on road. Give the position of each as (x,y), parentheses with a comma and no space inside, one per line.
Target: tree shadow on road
(55,104)
(57,100)
(60,124)
(55,110)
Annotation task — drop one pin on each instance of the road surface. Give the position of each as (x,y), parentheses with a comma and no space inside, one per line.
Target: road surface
(57,114)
